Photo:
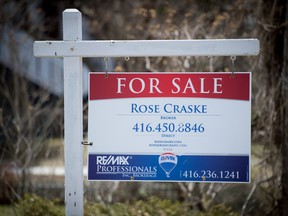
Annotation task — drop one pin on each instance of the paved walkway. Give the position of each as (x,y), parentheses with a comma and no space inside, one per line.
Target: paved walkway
(56,171)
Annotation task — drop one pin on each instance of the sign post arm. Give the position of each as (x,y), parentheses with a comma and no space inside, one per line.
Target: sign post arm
(139,48)
(73,117)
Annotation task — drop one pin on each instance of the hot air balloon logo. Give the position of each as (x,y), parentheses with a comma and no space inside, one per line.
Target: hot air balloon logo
(168,162)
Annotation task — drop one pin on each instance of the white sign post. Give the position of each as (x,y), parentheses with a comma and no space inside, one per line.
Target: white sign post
(73,49)
(73,117)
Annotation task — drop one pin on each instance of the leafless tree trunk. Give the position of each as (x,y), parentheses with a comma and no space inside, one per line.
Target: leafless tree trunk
(274,44)
(285,120)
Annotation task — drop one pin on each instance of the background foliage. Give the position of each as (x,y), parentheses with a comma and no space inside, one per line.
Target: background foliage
(30,117)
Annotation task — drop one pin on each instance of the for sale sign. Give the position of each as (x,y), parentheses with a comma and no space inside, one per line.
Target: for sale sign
(170,127)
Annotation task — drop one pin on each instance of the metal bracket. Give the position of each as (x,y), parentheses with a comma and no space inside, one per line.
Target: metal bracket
(87,143)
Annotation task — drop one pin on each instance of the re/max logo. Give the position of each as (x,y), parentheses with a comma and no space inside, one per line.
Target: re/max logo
(112,160)
(168,158)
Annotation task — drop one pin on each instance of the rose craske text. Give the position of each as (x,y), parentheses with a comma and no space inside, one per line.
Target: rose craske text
(168,108)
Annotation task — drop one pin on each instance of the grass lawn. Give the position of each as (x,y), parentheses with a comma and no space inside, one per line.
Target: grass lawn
(10,210)
(6,210)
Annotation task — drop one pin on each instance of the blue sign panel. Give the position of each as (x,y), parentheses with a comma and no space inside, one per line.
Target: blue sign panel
(168,167)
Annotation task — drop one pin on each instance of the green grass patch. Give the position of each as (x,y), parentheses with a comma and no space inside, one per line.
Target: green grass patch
(33,205)
(7,210)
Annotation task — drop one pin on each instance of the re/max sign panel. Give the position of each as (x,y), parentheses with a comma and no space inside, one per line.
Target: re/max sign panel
(170,127)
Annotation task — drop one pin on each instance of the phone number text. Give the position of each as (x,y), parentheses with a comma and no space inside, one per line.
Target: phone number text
(209,174)
(169,127)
